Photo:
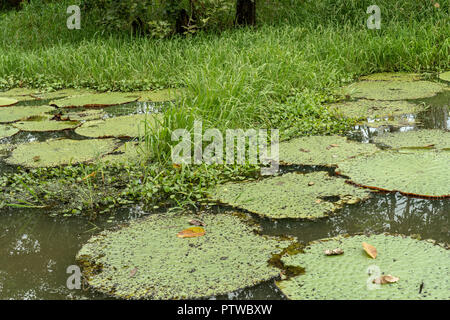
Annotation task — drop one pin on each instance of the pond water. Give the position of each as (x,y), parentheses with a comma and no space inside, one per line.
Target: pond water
(36,249)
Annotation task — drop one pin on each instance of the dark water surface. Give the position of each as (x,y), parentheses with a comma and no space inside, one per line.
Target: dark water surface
(36,249)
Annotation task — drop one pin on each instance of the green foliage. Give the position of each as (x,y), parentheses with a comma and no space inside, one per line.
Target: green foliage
(159,18)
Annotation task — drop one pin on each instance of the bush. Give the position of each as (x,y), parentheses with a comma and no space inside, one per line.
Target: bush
(161,18)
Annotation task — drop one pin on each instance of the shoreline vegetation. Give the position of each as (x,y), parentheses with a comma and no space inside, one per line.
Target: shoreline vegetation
(280,74)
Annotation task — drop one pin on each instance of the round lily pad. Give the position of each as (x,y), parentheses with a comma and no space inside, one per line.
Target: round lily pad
(20,94)
(292,195)
(421,267)
(392,76)
(416,173)
(6,102)
(363,109)
(97,100)
(147,260)
(45,123)
(60,152)
(59,94)
(130,152)
(321,150)
(124,126)
(445,76)
(4,149)
(394,90)
(438,139)
(85,115)
(7,131)
(402,121)
(156,96)
(20,113)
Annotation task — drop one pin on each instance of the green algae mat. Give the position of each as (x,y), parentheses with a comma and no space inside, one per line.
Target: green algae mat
(60,152)
(445,76)
(432,138)
(422,269)
(321,150)
(292,195)
(394,90)
(95,100)
(363,109)
(20,113)
(44,124)
(147,260)
(415,173)
(7,131)
(124,126)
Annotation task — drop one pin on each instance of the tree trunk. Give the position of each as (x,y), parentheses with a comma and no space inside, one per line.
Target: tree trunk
(246,12)
(182,22)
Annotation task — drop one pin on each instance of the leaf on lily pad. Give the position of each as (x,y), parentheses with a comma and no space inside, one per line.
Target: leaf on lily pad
(334,252)
(370,250)
(191,232)
(196,222)
(385,279)
(6,102)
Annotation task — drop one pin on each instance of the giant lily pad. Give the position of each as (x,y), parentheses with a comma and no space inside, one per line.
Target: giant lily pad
(422,268)
(363,109)
(97,100)
(392,76)
(147,260)
(419,138)
(7,131)
(423,174)
(445,76)
(60,152)
(125,126)
(305,196)
(394,90)
(20,94)
(130,152)
(44,123)
(85,115)
(4,149)
(6,102)
(20,113)
(156,96)
(59,94)
(321,150)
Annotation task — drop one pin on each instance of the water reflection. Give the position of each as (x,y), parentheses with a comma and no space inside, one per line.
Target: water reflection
(391,213)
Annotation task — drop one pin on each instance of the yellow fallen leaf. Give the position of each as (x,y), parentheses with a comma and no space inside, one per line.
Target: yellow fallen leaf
(386,279)
(370,250)
(191,232)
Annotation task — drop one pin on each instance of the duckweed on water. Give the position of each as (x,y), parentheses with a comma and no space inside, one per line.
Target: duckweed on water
(321,150)
(146,260)
(292,195)
(421,266)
